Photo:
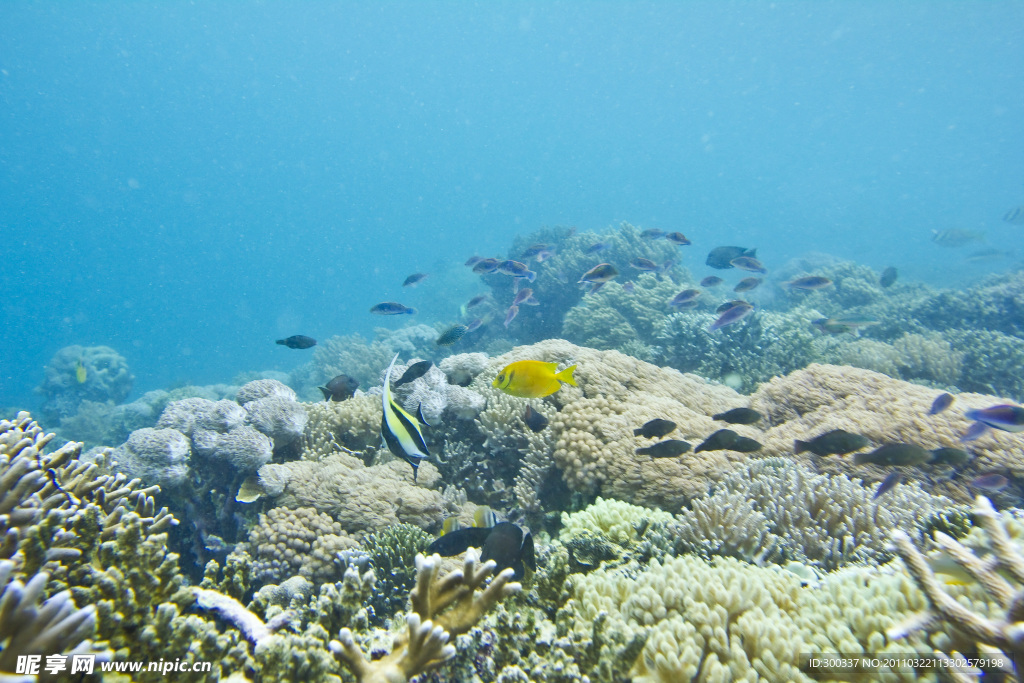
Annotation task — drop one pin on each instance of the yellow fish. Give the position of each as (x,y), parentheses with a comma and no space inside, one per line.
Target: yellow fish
(80,373)
(400,430)
(533,378)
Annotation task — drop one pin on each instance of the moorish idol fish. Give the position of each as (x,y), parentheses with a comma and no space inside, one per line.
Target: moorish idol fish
(400,430)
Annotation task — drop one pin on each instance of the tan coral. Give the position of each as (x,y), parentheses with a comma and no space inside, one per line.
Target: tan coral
(353,424)
(289,542)
(361,498)
(819,398)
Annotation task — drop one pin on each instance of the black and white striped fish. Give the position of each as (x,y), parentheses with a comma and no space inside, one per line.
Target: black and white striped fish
(400,430)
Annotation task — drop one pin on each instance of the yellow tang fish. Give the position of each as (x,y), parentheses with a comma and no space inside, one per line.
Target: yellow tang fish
(80,372)
(400,430)
(533,378)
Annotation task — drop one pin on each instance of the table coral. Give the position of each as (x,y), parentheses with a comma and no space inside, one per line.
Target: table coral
(820,398)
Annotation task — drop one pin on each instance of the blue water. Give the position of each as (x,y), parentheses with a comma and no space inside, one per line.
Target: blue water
(188,182)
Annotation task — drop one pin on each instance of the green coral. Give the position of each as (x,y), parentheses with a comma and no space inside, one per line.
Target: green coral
(392,554)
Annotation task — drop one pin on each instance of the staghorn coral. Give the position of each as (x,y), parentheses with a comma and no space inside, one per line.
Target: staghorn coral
(442,606)
(993,629)
(392,552)
(820,398)
(360,498)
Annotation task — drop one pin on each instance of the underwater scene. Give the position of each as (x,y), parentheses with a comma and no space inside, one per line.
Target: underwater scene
(512,342)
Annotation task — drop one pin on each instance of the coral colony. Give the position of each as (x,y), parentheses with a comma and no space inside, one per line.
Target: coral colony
(640,473)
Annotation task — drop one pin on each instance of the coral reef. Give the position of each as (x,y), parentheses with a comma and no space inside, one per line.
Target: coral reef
(83,373)
(820,398)
(297,542)
(156,456)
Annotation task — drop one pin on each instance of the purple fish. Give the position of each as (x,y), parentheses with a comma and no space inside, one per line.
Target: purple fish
(595,247)
(516,269)
(809,283)
(888,484)
(678,238)
(486,265)
(652,234)
(1006,417)
(392,308)
(476,300)
(473,260)
(748,263)
(685,297)
(747,284)
(733,315)
(975,431)
(534,249)
(602,272)
(644,264)
(513,311)
(525,296)
(477,322)
(711,281)
(941,402)
(990,482)
(414,279)
(629,286)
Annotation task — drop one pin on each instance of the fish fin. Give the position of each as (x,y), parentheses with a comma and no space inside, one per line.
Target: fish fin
(410,311)
(567,375)
(800,446)
(528,552)
(484,517)
(419,415)
(861,458)
(326,393)
(459,541)
(638,431)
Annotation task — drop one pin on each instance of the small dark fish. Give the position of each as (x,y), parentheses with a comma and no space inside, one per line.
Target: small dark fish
(414,279)
(685,297)
(835,442)
(644,264)
(505,543)
(516,269)
(721,257)
(603,272)
(747,284)
(474,324)
(542,256)
(735,314)
(842,324)
(476,300)
(941,402)
(652,234)
(486,265)
(298,341)
(473,260)
(678,238)
(888,484)
(711,281)
(748,263)
(956,237)
(392,308)
(744,444)
(949,456)
(808,283)
(655,429)
(534,420)
(894,454)
(1015,216)
(629,286)
(452,335)
(975,431)
(738,416)
(990,482)
(595,248)
(413,372)
(721,440)
(1006,417)
(340,388)
(665,449)
(511,314)
(533,250)
(889,277)
(525,296)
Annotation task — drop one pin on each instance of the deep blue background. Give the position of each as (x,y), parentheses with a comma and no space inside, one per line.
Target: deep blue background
(186,182)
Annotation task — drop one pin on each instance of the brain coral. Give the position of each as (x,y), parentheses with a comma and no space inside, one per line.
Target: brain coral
(593,430)
(820,398)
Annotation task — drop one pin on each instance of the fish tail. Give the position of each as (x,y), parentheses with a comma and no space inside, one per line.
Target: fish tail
(800,446)
(326,392)
(410,311)
(861,458)
(567,375)
(638,432)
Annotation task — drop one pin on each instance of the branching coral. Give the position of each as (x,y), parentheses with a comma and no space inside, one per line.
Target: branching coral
(1001,574)
(442,606)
